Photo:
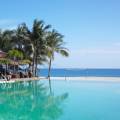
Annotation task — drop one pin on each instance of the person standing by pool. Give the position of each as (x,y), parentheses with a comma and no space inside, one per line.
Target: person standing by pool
(8,75)
(29,74)
(2,76)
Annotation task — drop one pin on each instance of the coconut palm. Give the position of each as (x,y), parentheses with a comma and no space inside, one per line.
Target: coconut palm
(55,44)
(37,41)
(36,44)
(5,40)
(19,40)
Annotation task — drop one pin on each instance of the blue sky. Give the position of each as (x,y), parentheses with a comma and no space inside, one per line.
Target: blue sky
(91,28)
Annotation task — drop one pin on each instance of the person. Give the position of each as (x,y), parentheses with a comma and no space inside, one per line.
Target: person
(29,74)
(8,75)
(21,75)
(2,76)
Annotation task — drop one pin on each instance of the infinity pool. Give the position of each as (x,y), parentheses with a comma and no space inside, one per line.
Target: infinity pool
(60,100)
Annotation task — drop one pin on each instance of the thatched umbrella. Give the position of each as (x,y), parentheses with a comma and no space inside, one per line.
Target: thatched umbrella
(24,62)
(4,61)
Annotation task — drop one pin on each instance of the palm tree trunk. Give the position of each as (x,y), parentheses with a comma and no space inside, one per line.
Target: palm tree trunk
(30,67)
(33,65)
(36,62)
(14,65)
(14,68)
(49,68)
(6,69)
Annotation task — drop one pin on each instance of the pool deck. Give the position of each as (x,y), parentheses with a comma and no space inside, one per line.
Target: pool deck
(21,79)
(96,79)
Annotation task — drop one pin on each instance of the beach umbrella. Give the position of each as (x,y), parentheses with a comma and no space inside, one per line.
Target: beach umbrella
(13,62)
(24,62)
(4,61)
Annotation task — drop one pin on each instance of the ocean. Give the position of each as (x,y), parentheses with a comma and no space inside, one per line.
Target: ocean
(80,72)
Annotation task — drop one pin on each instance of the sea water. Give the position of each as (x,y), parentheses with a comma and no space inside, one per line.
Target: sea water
(80,72)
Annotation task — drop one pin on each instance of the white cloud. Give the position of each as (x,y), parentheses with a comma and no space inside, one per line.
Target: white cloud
(99,51)
(90,58)
(5,21)
(117,44)
(8,23)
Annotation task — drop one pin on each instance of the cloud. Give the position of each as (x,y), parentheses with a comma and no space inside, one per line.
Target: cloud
(8,23)
(97,51)
(117,44)
(5,21)
(89,58)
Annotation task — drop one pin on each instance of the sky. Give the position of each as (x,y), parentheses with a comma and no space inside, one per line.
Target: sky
(91,28)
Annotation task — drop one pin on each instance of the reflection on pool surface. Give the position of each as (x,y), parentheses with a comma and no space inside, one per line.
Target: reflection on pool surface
(29,101)
(68,100)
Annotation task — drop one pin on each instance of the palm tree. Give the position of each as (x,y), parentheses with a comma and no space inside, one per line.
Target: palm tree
(37,41)
(55,44)
(22,43)
(19,40)
(36,44)
(5,40)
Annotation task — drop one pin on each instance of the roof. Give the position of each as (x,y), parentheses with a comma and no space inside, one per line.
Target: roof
(2,54)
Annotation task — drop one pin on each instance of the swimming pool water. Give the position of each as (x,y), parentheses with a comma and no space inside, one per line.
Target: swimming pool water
(66,100)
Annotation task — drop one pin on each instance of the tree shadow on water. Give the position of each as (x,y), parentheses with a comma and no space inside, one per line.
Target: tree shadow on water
(29,101)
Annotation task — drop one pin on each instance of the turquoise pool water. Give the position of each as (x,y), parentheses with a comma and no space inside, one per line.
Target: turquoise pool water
(66,100)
